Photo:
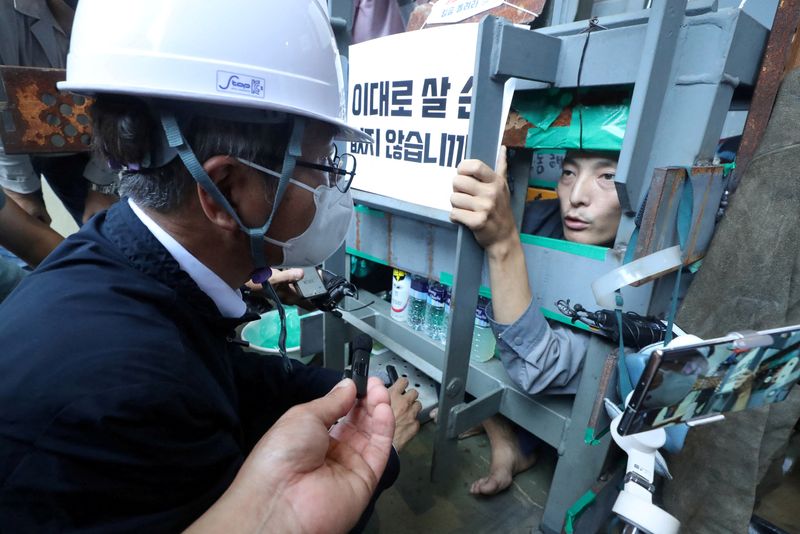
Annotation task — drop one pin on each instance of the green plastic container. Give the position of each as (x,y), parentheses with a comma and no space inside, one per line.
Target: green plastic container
(263,334)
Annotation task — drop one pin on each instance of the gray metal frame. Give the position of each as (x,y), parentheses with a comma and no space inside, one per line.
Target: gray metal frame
(685,64)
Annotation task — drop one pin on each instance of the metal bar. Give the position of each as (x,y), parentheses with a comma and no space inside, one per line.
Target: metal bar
(518,169)
(578,465)
(535,56)
(482,144)
(542,415)
(769,80)
(467,415)
(401,207)
(623,20)
(563,11)
(341,15)
(648,97)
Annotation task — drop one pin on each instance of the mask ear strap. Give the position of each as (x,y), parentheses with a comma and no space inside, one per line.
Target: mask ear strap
(178,142)
(289,161)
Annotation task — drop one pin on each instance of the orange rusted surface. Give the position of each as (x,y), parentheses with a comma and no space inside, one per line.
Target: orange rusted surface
(37,118)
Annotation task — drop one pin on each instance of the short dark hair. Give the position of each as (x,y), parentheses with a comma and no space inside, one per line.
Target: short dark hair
(125,130)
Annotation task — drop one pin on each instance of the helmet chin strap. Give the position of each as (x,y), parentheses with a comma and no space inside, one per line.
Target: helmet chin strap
(177,141)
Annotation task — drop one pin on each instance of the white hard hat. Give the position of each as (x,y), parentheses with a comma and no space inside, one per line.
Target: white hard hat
(276,55)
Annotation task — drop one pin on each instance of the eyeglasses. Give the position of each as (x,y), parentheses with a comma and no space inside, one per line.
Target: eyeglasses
(342,168)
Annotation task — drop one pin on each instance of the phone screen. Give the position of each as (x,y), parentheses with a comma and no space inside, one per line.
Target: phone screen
(696,382)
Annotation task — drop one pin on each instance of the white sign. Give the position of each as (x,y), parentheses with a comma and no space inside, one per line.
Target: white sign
(411,92)
(446,11)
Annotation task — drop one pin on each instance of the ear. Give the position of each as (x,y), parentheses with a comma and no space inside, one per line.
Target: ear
(228,177)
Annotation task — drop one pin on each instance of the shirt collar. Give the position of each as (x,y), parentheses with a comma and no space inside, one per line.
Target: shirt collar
(228,300)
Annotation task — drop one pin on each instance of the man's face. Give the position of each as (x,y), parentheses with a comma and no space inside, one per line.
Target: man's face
(590,209)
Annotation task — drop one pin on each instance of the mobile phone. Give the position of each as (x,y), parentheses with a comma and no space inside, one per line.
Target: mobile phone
(699,382)
(311,285)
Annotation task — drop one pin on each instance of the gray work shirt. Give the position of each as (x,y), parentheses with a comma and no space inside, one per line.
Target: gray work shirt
(540,357)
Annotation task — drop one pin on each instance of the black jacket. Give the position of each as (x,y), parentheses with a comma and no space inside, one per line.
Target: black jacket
(122,404)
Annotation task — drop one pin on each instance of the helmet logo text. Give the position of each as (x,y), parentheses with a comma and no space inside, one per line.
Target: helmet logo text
(242,84)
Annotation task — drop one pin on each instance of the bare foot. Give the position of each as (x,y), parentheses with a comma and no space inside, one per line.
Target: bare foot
(474,431)
(507,458)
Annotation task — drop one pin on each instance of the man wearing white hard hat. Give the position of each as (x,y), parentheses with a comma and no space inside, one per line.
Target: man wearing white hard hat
(129,408)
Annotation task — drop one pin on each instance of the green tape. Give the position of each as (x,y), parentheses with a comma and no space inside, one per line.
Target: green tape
(360,208)
(543,184)
(359,254)
(592,252)
(447,279)
(576,509)
(727,168)
(590,439)
(555,316)
(558,120)
(693,268)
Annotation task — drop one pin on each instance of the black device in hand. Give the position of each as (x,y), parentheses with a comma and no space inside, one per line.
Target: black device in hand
(360,350)
(392,372)
(324,289)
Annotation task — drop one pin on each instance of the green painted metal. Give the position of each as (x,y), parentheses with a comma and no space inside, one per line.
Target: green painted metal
(359,254)
(593,252)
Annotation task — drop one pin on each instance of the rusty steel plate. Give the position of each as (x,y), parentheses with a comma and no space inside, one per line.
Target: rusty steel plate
(36,118)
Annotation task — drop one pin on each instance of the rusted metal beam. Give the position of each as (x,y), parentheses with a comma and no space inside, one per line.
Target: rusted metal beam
(658,226)
(36,118)
(779,46)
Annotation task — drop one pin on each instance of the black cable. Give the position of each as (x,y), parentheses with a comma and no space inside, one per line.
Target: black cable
(593,25)
(368,304)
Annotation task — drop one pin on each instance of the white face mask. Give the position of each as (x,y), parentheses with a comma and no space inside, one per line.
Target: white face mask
(328,228)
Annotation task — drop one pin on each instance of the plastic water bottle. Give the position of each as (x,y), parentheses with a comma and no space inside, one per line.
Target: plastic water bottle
(434,311)
(446,314)
(417,301)
(401,286)
(483,341)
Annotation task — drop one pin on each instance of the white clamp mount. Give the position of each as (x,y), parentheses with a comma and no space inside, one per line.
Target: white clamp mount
(634,504)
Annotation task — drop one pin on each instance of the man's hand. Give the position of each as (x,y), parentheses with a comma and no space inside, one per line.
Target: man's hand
(482,202)
(406,408)
(303,477)
(281,280)
(33,203)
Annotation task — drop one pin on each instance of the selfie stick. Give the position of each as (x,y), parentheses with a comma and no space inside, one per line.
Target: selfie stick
(634,504)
